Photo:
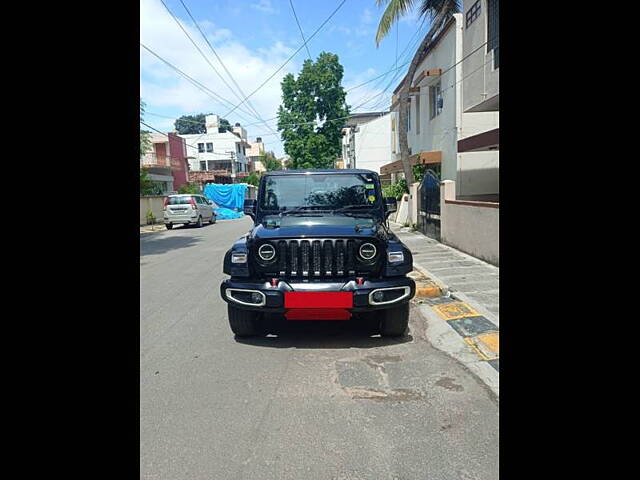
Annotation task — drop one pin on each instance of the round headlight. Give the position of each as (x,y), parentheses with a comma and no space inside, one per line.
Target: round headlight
(368,251)
(266,252)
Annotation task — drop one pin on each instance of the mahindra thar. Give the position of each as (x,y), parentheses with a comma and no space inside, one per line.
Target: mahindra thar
(320,249)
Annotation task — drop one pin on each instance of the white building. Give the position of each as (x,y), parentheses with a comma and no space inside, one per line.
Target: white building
(479,150)
(214,151)
(437,121)
(254,153)
(366,141)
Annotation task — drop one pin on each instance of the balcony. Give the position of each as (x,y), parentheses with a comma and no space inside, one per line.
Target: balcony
(160,163)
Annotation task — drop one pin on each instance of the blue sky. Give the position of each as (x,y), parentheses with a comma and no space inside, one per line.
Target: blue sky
(253,38)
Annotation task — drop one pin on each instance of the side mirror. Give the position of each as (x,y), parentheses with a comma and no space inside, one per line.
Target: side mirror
(250,208)
(391,205)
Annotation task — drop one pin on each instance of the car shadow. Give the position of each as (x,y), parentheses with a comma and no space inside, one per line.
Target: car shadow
(157,246)
(322,335)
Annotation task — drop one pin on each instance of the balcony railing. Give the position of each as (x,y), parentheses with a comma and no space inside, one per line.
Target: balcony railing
(152,160)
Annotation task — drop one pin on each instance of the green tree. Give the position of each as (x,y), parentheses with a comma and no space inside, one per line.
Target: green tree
(148,186)
(189,188)
(312,113)
(191,124)
(224,126)
(270,161)
(145,136)
(253,179)
(438,12)
(196,124)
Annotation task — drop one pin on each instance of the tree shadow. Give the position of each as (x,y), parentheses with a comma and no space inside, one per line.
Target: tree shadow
(157,246)
(322,335)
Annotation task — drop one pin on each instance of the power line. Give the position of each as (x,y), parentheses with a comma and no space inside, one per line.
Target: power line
(289,59)
(193,81)
(166,135)
(300,28)
(379,94)
(223,66)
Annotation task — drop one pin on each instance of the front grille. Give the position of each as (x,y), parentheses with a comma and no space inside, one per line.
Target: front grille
(321,258)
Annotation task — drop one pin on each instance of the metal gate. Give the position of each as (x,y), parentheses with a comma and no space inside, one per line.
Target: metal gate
(429,205)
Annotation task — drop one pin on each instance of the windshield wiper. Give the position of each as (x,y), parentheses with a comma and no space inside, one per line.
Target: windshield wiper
(298,209)
(350,207)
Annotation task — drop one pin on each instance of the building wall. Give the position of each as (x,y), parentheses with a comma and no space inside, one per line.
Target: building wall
(372,144)
(452,124)
(481,86)
(178,153)
(472,227)
(222,143)
(155,203)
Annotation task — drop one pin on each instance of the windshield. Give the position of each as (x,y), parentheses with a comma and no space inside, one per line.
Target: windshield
(318,191)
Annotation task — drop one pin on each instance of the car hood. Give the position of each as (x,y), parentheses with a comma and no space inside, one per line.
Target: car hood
(315,226)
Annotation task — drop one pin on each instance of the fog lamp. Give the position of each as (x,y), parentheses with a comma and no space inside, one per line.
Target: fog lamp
(256,297)
(378,296)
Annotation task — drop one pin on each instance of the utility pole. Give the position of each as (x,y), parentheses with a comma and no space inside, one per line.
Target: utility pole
(233,166)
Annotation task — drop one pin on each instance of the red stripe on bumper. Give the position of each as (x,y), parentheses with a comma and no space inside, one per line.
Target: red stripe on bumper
(320,300)
(318,314)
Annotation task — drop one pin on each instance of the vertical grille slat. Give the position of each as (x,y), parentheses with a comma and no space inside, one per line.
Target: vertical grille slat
(293,256)
(316,258)
(351,256)
(282,257)
(304,247)
(328,258)
(339,257)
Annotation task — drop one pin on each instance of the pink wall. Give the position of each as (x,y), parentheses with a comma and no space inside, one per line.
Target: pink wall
(178,153)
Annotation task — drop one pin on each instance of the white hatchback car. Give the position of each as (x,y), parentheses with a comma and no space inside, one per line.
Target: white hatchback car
(188,209)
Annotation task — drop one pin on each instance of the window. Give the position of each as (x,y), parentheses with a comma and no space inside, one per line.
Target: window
(493,34)
(201,148)
(473,13)
(211,164)
(203,165)
(417,114)
(210,147)
(435,100)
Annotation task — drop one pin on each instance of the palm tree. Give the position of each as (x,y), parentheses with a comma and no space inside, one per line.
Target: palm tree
(438,12)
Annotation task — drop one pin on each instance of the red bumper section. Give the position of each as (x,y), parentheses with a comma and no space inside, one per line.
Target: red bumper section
(318,305)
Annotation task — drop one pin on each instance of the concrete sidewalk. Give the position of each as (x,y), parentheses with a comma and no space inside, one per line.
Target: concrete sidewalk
(469,278)
(464,320)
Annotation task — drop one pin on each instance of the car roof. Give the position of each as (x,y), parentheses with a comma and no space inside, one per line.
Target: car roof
(320,171)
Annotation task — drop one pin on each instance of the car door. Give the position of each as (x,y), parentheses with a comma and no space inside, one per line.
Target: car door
(206,208)
(201,209)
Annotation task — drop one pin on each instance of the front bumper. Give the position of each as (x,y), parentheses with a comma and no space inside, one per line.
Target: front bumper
(274,296)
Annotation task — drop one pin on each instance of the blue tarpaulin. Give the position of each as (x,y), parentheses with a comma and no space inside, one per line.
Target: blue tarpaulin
(229,197)
(227,214)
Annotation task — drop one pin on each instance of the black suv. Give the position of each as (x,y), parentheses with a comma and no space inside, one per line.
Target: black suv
(320,249)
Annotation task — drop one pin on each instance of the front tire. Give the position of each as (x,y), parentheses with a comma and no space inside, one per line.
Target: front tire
(395,321)
(243,323)
(213,220)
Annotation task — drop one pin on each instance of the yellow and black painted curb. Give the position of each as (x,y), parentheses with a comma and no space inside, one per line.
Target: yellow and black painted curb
(481,335)
(425,287)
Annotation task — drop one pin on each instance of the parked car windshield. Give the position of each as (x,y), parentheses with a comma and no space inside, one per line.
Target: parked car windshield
(319,191)
(179,200)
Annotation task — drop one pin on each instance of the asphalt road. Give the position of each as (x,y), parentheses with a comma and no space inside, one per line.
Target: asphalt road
(320,401)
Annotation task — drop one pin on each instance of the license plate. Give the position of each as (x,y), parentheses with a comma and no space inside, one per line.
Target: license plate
(318,299)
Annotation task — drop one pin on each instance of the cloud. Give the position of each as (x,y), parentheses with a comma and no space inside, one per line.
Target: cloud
(264,6)
(163,88)
(367,17)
